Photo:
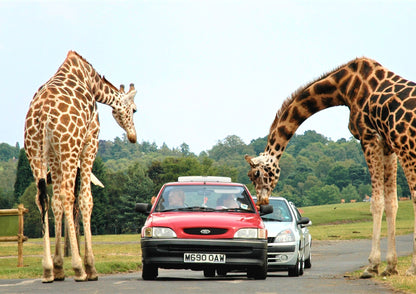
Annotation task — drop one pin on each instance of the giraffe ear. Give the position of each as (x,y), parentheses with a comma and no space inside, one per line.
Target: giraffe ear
(129,98)
(249,160)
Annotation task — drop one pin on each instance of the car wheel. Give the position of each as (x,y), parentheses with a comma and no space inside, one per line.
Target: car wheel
(294,271)
(302,267)
(209,272)
(257,272)
(149,272)
(308,261)
(221,272)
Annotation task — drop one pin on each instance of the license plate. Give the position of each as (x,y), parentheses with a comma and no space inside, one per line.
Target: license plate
(204,257)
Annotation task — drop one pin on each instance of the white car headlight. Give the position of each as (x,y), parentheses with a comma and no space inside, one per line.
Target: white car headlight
(158,232)
(251,233)
(285,236)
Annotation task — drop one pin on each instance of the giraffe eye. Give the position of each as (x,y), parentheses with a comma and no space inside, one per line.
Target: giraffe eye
(257,174)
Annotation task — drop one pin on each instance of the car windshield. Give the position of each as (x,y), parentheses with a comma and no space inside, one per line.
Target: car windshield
(204,198)
(281,212)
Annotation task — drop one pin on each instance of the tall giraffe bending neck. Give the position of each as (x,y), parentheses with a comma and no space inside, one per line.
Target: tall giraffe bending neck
(382,116)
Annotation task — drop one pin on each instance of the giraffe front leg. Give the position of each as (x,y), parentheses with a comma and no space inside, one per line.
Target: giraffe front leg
(391,205)
(76,261)
(374,258)
(58,261)
(86,205)
(412,270)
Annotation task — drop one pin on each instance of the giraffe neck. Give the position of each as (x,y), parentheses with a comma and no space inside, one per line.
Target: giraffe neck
(350,85)
(78,70)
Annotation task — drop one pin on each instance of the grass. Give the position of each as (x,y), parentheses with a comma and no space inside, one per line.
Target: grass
(113,254)
(121,253)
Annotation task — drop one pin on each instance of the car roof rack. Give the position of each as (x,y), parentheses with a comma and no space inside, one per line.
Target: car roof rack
(204,179)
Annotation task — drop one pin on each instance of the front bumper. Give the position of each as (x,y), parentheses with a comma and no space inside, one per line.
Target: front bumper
(169,253)
(282,256)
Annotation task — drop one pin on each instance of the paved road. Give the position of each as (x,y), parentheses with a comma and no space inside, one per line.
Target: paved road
(330,261)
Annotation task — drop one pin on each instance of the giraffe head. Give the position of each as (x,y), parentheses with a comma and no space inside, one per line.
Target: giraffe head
(123,112)
(264,174)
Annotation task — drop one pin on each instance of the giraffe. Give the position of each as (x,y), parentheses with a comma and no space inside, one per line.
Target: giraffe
(382,117)
(61,133)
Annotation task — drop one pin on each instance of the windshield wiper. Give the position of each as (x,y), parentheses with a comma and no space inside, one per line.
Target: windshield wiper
(191,208)
(234,209)
(272,219)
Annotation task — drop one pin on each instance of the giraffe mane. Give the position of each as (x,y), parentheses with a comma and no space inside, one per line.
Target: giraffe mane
(295,94)
(102,77)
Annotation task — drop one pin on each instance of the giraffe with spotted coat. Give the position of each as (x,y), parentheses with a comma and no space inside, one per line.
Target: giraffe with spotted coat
(61,133)
(382,117)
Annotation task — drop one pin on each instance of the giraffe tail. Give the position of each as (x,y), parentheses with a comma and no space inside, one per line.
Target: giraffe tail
(43,198)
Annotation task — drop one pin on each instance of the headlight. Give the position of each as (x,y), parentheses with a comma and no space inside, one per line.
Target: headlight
(251,233)
(158,232)
(285,236)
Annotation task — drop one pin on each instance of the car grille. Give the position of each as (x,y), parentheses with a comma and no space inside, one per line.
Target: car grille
(197,248)
(205,231)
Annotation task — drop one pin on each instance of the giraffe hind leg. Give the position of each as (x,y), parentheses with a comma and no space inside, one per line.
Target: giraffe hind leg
(43,205)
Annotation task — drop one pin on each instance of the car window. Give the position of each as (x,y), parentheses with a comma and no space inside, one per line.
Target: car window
(296,211)
(281,211)
(204,197)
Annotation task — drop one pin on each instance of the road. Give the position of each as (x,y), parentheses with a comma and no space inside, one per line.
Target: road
(330,261)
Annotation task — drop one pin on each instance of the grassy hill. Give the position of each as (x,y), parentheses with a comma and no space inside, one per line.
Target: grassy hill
(353,220)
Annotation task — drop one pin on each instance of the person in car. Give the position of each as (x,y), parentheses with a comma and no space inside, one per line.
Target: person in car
(227,201)
(176,199)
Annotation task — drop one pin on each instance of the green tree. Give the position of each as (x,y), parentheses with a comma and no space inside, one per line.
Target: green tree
(338,175)
(328,194)
(350,193)
(24,176)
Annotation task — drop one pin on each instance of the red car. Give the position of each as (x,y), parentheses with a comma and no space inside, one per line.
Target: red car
(204,223)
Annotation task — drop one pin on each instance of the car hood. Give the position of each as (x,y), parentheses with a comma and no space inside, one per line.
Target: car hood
(274,228)
(180,221)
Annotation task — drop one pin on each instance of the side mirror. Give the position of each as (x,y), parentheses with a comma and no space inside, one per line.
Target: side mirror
(304,222)
(266,209)
(143,207)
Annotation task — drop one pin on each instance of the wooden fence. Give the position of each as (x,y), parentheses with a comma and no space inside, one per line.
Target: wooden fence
(11,229)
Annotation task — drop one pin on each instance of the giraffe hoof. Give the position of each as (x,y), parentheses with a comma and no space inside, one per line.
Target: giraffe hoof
(59,279)
(94,278)
(47,280)
(388,273)
(367,275)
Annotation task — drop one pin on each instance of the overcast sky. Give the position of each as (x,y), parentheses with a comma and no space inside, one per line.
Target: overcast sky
(203,69)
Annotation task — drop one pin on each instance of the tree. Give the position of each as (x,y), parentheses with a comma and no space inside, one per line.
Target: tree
(339,176)
(24,176)
(328,194)
(349,193)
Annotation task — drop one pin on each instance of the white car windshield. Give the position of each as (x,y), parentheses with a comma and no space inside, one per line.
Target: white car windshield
(280,213)
(204,198)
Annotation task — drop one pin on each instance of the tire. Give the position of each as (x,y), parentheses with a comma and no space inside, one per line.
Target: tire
(149,272)
(257,272)
(302,267)
(209,272)
(221,272)
(295,270)
(308,261)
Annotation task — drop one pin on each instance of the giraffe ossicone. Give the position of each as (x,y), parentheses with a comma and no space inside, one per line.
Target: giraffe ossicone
(382,117)
(61,133)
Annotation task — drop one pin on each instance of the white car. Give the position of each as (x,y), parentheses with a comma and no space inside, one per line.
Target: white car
(289,241)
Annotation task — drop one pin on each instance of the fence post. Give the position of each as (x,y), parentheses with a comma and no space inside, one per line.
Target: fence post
(20,236)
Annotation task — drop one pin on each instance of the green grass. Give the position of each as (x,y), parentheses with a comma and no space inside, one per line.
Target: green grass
(113,254)
(353,221)
(121,253)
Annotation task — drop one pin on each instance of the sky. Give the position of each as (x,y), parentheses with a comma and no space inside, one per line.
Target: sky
(203,70)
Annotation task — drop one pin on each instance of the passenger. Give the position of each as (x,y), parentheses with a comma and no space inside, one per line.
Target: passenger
(176,199)
(227,201)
